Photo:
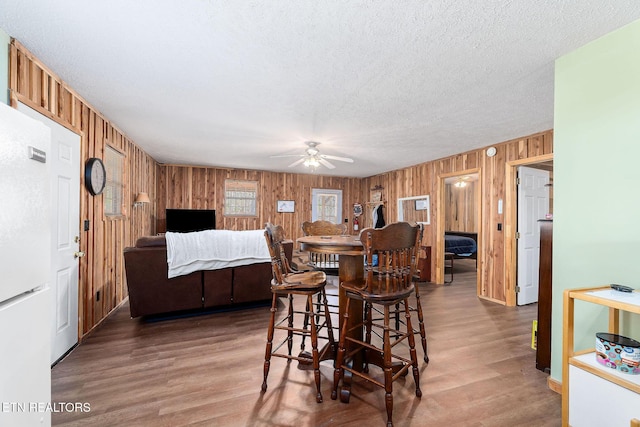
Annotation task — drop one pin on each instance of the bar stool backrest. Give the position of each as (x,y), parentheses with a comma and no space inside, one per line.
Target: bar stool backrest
(390,254)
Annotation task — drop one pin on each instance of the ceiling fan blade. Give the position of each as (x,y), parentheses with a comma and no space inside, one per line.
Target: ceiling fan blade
(296,163)
(326,163)
(340,159)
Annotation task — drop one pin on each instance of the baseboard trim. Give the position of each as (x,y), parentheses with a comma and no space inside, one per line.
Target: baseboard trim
(492,300)
(554,385)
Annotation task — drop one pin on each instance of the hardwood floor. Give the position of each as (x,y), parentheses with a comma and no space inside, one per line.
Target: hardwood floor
(207,370)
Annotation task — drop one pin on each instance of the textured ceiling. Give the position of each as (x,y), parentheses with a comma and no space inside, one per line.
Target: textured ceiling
(389,83)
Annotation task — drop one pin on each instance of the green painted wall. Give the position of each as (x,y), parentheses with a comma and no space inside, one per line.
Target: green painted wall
(596,179)
(4,67)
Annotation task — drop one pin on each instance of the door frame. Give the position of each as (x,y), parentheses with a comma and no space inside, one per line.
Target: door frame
(511,224)
(440,220)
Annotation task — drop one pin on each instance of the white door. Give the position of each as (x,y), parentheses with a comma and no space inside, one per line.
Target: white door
(533,204)
(326,205)
(64,161)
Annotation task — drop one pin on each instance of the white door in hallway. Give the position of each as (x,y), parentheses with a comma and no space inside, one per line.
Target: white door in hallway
(533,204)
(64,159)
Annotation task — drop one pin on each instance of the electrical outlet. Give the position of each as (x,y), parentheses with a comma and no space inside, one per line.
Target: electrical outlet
(499,226)
(86,225)
(98,296)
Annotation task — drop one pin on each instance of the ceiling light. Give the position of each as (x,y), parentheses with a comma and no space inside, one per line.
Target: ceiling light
(311,162)
(460,184)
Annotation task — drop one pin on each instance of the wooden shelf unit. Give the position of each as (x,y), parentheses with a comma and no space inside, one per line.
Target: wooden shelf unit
(581,362)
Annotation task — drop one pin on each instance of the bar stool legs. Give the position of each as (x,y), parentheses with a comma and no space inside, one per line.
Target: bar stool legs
(389,368)
(423,335)
(310,329)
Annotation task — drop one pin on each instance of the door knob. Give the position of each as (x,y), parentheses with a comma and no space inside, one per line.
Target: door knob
(78,254)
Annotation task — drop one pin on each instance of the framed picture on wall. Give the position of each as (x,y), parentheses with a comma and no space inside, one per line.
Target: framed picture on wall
(286,206)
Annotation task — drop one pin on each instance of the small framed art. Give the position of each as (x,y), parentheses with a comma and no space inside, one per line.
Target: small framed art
(286,206)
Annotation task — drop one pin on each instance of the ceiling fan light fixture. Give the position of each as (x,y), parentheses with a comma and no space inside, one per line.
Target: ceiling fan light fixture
(311,162)
(460,184)
(312,158)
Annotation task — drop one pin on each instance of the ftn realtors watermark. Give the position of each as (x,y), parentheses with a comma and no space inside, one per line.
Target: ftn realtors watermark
(30,407)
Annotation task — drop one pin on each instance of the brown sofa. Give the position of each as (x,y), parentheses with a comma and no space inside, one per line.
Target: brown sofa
(152,292)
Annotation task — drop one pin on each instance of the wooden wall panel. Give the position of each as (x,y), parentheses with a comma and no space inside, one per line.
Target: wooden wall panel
(461,206)
(427,179)
(102,284)
(192,187)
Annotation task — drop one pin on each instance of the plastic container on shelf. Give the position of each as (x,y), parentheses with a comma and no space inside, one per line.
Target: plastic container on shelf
(618,352)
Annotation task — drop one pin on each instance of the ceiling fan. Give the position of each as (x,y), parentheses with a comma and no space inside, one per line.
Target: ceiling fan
(312,157)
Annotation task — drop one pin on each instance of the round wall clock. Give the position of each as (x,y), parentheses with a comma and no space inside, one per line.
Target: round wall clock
(95,176)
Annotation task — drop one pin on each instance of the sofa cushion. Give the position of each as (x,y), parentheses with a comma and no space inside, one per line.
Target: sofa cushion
(150,292)
(217,287)
(252,283)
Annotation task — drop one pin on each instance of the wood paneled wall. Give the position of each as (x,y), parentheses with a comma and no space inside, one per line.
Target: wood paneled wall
(102,283)
(460,207)
(191,187)
(428,179)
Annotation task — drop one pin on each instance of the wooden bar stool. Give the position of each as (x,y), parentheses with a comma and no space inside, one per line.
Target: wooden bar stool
(386,283)
(287,283)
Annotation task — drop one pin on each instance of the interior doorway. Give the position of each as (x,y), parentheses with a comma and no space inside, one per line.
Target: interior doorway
(544,162)
(458,217)
(534,204)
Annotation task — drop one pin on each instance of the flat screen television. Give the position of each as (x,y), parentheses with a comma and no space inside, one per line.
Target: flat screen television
(188,220)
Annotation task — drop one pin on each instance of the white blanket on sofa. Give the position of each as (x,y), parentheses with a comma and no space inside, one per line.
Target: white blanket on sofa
(214,249)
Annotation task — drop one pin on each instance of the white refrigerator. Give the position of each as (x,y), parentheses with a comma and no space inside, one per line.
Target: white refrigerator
(25,258)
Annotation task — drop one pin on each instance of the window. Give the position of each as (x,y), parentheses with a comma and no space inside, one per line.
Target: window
(326,205)
(240,197)
(114,164)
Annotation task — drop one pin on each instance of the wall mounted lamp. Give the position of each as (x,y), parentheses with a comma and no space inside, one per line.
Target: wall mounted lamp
(141,199)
